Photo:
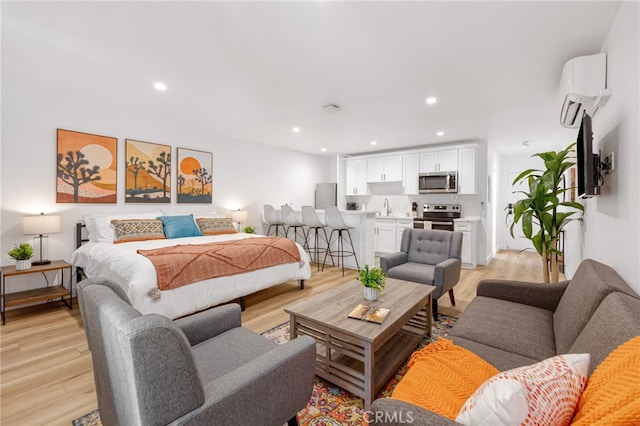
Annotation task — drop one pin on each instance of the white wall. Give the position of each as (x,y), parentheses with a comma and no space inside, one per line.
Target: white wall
(246,175)
(611,231)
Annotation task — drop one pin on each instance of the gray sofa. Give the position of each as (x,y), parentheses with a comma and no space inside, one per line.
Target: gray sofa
(512,324)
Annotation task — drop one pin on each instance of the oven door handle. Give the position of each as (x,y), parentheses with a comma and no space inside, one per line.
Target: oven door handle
(441,223)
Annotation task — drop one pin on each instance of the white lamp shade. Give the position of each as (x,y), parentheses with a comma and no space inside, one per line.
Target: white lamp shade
(238,215)
(41,224)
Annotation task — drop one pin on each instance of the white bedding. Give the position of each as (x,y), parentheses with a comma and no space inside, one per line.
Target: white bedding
(137,275)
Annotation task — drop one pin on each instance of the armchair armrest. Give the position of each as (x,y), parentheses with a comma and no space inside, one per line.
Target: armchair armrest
(279,381)
(388,261)
(447,273)
(540,295)
(393,412)
(204,325)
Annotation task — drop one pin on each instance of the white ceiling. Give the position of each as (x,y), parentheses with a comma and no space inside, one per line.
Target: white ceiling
(253,70)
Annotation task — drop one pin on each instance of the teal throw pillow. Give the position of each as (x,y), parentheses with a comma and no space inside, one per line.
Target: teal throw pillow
(180,226)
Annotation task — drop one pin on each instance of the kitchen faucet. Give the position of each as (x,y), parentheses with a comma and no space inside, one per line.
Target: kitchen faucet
(386,204)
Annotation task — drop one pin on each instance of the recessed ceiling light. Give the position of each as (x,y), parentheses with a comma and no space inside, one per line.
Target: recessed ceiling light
(431,100)
(160,86)
(323,149)
(373,142)
(295,129)
(440,133)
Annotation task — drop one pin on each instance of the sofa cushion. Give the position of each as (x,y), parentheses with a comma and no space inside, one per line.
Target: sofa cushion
(612,395)
(441,377)
(224,349)
(592,282)
(545,393)
(616,320)
(512,327)
(411,271)
(501,359)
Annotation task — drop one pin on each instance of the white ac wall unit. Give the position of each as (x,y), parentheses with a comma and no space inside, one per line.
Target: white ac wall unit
(583,88)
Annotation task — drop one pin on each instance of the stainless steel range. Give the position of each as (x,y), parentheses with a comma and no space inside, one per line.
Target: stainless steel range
(437,216)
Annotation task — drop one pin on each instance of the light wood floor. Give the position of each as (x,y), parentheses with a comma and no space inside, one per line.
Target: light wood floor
(46,375)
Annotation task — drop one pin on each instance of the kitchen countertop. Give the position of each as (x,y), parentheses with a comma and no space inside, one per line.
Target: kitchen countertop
(468,219)
(398,216)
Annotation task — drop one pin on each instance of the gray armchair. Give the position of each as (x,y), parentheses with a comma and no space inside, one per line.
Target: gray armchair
(429,257)
(203,369)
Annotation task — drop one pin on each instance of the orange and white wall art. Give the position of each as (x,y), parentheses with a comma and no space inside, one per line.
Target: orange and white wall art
(86,168)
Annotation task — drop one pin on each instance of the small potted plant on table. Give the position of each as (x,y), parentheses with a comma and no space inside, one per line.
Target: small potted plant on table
(22,254)
(373,280)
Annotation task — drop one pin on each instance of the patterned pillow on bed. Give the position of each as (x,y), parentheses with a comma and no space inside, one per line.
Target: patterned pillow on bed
(215,225)
(137,230)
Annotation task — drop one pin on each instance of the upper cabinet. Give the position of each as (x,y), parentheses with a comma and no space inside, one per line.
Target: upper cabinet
(384,169)
(439,161)
(411,168)
(356,177)
(404,167)
(467,171)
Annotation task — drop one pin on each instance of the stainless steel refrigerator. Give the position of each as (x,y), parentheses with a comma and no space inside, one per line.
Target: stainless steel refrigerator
(326,195)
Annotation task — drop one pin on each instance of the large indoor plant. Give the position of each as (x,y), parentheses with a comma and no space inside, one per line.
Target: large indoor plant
(373,280)
(544,207)
(22,254)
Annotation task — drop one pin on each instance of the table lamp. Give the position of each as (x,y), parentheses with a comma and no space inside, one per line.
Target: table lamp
(40,225)
(238,216)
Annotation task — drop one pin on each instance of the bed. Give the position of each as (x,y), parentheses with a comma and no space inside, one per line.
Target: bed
(137,275)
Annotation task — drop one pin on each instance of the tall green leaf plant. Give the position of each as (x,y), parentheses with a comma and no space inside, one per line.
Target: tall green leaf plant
(542,205)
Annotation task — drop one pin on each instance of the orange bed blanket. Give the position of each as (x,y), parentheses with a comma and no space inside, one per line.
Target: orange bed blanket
(188,263)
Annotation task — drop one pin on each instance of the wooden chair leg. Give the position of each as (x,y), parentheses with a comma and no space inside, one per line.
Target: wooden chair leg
(453,300)
(293,421)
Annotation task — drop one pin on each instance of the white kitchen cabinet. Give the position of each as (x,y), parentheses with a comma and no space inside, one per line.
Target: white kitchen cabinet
(439,161)
(356,177)
(401,225)
(469,229)
(384,169)
(467,171)
(410,170)
(385,237)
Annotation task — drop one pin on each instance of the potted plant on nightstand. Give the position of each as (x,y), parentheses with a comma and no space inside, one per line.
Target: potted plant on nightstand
(373,280)
(249,230)
(22,254)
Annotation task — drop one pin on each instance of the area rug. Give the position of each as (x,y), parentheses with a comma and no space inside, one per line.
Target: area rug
(329,405)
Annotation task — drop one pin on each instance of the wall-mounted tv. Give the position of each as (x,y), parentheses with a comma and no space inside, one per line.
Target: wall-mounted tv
(588,163)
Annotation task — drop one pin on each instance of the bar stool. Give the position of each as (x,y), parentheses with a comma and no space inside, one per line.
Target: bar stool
(313,223)
(336,222)
(272,219)
(291,221)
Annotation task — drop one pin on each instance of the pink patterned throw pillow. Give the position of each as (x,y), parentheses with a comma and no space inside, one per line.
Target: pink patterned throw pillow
(545,393)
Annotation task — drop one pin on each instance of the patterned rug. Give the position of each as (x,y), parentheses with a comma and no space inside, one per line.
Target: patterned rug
(329,405)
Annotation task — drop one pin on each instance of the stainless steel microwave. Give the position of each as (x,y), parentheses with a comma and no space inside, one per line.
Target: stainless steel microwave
(437,182)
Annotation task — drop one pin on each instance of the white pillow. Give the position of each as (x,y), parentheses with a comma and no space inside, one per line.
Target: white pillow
(543,393)
(100,229)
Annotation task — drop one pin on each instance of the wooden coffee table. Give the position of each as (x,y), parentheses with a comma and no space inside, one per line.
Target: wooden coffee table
(361,356)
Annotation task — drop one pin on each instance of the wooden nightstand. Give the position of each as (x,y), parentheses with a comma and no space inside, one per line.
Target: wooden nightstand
(38,294)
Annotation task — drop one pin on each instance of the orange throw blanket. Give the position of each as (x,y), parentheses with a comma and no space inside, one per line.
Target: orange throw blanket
(185,264)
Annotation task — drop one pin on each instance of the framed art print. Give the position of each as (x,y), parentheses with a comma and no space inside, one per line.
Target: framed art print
(194,180)
(147,172)
(86,168)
